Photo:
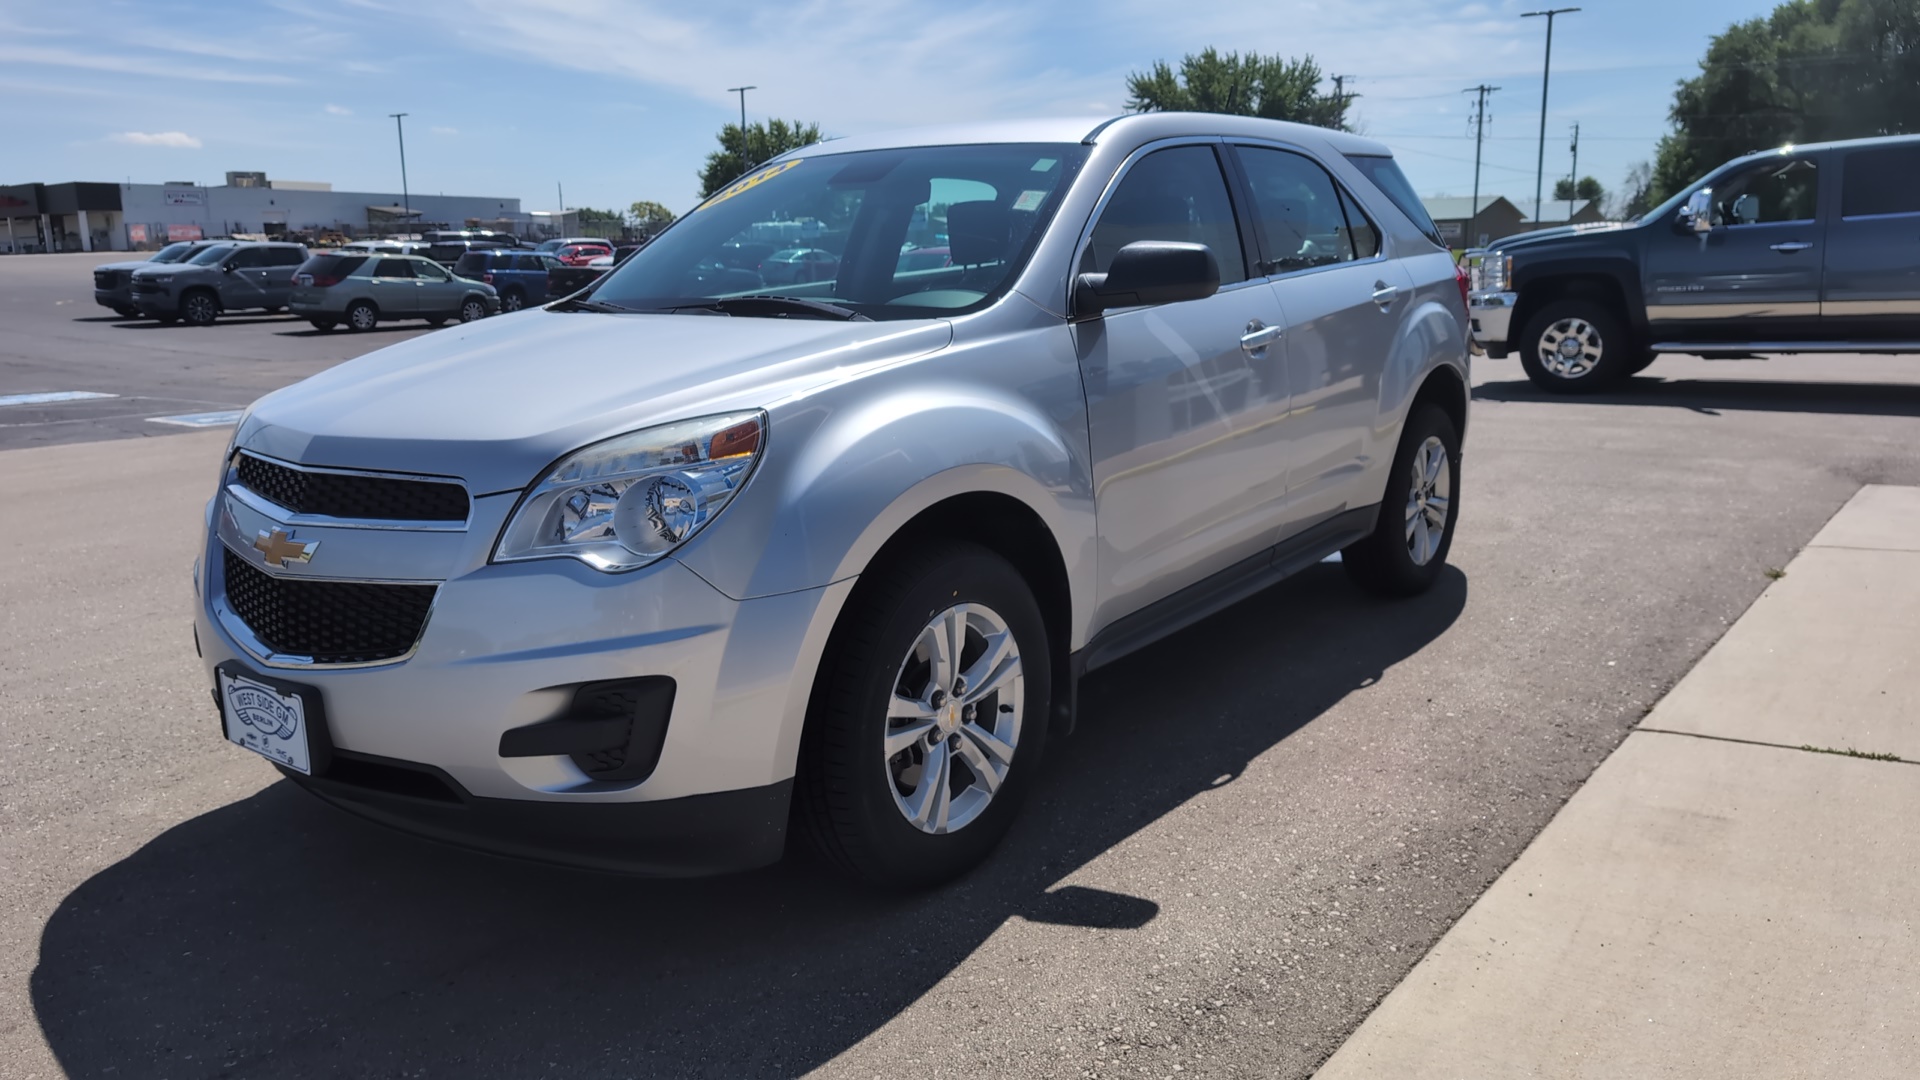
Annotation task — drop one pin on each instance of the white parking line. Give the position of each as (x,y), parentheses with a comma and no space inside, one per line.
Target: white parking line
(51,396)
(199,420)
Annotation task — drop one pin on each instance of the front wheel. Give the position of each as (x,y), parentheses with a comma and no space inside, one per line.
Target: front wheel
(1407,549)
(472,310)
(199,308)
(928,719)
(1577,347)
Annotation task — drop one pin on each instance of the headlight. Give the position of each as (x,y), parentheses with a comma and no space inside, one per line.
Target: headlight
(1495,270)
(624,502)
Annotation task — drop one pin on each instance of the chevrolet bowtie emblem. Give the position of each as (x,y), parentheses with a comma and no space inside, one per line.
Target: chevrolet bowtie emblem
(280,548)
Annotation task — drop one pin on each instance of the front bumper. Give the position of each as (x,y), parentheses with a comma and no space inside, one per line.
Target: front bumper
(118,298)
(504,647)
(1492,314)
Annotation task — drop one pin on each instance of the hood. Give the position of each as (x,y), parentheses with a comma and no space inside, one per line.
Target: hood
(134,264)
(148,270)
(1561,232)
(495,402)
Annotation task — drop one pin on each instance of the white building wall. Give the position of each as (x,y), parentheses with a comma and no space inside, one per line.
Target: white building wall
(222,210)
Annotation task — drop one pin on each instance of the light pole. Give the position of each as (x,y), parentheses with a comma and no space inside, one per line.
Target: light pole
(1546,73)
(742,91)
(406,200)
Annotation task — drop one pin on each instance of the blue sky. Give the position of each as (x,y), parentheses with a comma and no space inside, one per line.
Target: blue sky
(620,99)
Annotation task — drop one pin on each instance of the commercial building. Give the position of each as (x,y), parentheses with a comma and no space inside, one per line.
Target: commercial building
(122,217)
(1499,217)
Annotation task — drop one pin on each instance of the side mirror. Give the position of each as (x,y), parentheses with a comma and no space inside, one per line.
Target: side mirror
(1698,213)
(226,268)
(1149,272)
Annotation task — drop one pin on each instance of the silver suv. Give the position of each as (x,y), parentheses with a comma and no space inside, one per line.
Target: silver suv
(223,277)
(634,580)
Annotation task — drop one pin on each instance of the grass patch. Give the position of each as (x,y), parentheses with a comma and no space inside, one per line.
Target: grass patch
(1774,573)
(1851,752)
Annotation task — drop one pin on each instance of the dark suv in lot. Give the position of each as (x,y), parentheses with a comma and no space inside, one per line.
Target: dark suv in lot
(113,282)
(1803,249)
(220,278)
(520,277)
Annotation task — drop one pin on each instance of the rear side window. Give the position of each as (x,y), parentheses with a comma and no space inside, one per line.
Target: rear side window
(1174,194)
(1393,184)
(1366,237)
(332,266)
(473,262)
(1298,207)
(1884,181)
(393,268)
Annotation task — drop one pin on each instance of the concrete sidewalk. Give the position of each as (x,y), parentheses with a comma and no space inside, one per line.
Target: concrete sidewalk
(1734,893)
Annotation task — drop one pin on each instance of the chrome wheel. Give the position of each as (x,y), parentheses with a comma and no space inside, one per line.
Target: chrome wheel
(472,311)
(1570,348)
(953,721)
(1429,497)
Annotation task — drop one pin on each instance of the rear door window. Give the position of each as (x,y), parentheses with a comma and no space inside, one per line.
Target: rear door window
(1174,194)
(1297,210)
(334,267)
(472,264)
(430,271)
(394,268)
(1882,181)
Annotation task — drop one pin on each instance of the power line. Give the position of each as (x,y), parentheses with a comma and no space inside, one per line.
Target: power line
(1479,138)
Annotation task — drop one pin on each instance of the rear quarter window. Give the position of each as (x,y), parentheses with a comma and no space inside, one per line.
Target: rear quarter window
(336,266)
(473,262)
(1386,176)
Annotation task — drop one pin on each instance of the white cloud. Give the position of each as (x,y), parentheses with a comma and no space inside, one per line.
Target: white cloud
(445,131)
(129,65)
(178,140)
(339,110)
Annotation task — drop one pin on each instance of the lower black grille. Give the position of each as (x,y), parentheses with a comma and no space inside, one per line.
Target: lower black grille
(334,622)
(105,279)
(342,495)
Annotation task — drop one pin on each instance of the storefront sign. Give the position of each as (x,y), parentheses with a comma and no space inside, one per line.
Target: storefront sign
(183,196)
(136,235)
(182,232)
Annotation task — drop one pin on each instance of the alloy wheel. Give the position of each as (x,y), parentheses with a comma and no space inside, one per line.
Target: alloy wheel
(200,309)
(953,721)
(1429,498)
(1570,348)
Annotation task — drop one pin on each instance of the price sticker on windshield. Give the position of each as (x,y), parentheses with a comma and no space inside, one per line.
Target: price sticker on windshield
(749,183)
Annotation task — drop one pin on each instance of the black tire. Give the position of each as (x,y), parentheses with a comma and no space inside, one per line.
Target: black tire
(1607,350)
(512,300)
(199,307)
(324,324)
(436,323)
(127,312)
(1384,561)
(845,798)
(362,316)
(473,309)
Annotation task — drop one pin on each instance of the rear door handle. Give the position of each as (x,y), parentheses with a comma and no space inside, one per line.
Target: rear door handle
(1258,336)
(1790,246)
(1385,294)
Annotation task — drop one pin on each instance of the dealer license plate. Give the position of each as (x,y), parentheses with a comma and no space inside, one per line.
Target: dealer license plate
(267,721)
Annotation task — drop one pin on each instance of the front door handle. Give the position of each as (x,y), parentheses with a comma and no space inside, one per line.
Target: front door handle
(1790,246)
(1385,294)
(1258,336)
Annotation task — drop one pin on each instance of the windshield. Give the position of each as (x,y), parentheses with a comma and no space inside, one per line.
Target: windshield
(833,228)
(172,252)
(211,255)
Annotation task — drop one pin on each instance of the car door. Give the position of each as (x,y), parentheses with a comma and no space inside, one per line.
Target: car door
(281,264)
(1183,399)
(1871,286)
(1343,302)
(1755,276)
(393,287)
(436,292)
(243,279)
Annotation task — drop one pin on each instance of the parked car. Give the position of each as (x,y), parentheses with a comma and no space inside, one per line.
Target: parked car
(636,592)
(363,291)
(799,265)
(520,277)
(564,280)
(926,258)
(554,245)
(113,282)
(386,247)
(448,252)
(221,277)
(583,253)
(1802,249)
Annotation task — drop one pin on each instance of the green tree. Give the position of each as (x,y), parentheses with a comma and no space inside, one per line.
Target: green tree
(1588,188)
(1636,194)
(1812,70)
(740,151)
(590,216)
(1272,87)
(649,218)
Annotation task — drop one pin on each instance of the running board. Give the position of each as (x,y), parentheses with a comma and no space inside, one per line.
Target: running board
(1718,347)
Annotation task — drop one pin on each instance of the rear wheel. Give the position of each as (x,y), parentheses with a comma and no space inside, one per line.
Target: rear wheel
(1408,546)
(928,719)
(472,309)
(1577,346)
(323,324)
(362,315)
(199,307)
(512,300)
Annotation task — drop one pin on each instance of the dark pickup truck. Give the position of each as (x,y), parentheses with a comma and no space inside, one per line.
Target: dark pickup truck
(1803,249)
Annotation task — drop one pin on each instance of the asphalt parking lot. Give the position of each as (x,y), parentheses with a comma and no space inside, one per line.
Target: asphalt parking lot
(1260,826)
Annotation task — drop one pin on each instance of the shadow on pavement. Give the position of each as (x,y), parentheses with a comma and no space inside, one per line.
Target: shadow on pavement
(1713,396)
(143,322)
(341,331)
(276,936)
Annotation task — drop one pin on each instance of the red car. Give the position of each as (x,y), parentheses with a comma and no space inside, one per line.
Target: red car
(582,254)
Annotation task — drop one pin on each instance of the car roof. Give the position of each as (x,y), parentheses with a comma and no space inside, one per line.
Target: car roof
(1837,144)
(1131,128)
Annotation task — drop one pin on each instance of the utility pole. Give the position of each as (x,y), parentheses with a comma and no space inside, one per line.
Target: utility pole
(1479,136)
(742,91)
(1573,191)
(1546,74)
(406,200)
(1340,92)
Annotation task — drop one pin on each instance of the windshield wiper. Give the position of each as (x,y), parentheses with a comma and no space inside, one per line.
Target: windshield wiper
(581,303)
(774,307)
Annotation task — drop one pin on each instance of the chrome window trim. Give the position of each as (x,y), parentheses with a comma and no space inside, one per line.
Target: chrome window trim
(261,504)
(1379,256)
(243,636)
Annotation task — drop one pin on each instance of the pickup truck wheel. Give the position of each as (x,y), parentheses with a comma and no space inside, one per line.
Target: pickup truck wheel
(199,307)
(362,315)
(928,718)
(1576,347)
(1407,549)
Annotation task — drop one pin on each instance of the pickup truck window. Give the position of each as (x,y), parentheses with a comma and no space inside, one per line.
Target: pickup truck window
(1767,193)
(1882,181)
